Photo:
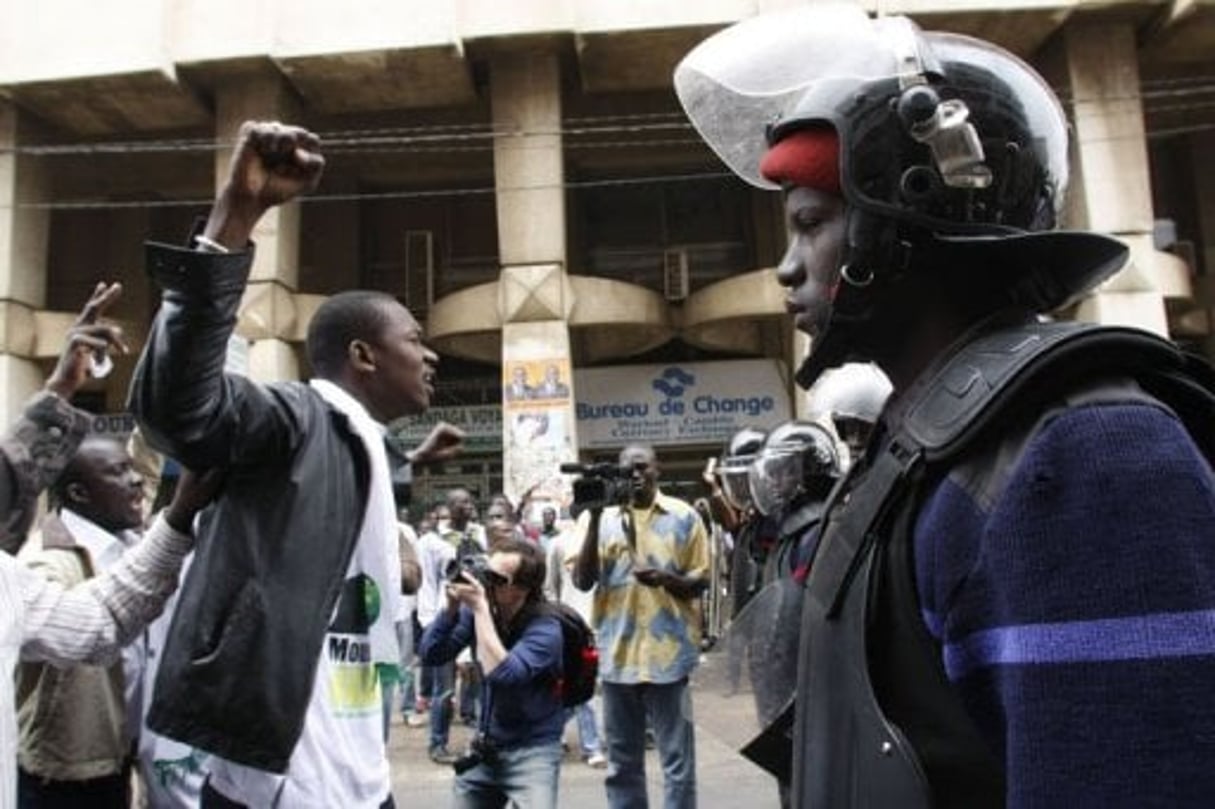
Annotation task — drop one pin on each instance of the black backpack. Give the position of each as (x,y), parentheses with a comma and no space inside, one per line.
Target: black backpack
(579,656)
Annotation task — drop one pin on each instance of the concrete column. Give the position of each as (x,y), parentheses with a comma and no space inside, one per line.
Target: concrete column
(267,314)
(800,349)
(1111,186)
(539,433)
(1201,147)
(23,247)
(123,247)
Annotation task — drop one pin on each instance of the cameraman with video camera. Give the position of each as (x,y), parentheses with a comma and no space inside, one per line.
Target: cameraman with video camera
(497,602)
(648,560)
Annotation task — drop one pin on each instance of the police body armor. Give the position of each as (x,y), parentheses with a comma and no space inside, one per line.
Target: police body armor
(773,670)
(876,720)
(796,530)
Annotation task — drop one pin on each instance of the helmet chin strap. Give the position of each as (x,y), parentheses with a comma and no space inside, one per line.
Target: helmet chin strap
(838,343)
(873,257)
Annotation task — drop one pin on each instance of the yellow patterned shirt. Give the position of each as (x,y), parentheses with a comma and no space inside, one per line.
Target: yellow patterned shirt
(645,634)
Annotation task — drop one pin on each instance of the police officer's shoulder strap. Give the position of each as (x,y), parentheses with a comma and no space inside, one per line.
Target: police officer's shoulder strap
(1029,364)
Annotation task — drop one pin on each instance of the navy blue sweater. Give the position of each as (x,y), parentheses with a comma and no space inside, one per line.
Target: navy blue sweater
(521,692)
(1076,610)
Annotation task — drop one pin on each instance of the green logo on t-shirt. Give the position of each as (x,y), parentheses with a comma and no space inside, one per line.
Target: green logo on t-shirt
(358,606)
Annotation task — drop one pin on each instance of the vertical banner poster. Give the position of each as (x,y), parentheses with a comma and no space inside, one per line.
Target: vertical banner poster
(536,424)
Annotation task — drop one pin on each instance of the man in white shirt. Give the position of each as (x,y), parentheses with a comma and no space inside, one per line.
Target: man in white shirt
(78,724)
(89,623)
(270,665)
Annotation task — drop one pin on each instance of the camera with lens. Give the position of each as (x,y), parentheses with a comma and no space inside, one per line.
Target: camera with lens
(599,485)
(480,750)
(476,565)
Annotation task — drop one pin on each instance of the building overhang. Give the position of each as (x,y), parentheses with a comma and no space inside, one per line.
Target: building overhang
(611,320)
(92,80)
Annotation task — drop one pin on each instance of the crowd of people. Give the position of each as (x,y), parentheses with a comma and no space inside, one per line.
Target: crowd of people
(305,602)
(978,573)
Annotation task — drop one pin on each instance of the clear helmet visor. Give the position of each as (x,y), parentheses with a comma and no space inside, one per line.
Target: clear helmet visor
(775,479)
(752,75)
(830,62)
(733,475)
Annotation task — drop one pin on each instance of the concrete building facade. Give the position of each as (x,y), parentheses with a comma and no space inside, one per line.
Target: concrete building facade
(520,175)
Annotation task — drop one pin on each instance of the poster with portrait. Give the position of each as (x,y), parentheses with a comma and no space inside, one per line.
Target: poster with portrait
(536,426)
(536,381)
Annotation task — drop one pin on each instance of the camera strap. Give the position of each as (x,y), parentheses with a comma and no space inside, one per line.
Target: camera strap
(630,527)
(487,706)
(510,634)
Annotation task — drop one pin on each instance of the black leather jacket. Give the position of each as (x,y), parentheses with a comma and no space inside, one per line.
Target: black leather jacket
(238,667)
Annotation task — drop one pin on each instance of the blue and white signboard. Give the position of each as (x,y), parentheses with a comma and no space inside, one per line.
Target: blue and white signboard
(687,403)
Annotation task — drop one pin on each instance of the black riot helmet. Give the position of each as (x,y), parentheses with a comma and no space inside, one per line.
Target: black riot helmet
(734,463)
(798,459)
(951,150)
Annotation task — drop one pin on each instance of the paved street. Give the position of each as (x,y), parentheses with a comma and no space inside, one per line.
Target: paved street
(726,781)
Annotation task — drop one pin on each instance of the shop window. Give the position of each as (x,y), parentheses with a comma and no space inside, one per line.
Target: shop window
(671,238)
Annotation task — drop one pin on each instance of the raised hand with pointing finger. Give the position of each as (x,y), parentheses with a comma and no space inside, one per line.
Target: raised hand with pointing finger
(38,446)
(88,341)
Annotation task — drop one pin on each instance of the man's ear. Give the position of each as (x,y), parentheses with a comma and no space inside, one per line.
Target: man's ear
(361,356)
(76,492)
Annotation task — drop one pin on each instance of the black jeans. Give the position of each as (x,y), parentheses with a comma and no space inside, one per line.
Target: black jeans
(107,792)
(210,799)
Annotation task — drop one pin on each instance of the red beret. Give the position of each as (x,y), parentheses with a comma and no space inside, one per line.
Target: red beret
(807,157)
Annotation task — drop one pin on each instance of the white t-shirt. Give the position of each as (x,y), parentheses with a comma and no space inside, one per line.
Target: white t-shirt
(433,555)
(340,759)
(105,549)
(562,553)
(408,603)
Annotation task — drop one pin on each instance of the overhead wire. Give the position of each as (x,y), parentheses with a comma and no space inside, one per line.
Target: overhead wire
(621,131)
(571,127)
(85,205)
(447,134)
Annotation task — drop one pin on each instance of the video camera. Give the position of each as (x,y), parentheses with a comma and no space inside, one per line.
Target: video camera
(599,485)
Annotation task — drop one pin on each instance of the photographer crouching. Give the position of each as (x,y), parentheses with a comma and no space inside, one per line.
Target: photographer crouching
(498,602)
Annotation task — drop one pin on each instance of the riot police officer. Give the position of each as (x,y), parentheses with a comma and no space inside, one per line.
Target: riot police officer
(789,481)
(1010,587)
(753,534)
